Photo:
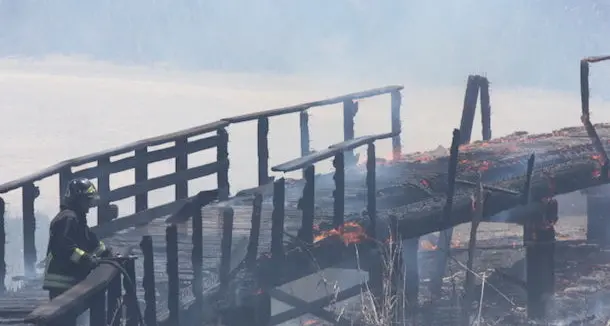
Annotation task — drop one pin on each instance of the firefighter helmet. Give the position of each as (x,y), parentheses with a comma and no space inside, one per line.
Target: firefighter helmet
(80,193)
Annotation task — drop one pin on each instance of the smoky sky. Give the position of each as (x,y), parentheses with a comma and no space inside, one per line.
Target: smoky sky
(533,43)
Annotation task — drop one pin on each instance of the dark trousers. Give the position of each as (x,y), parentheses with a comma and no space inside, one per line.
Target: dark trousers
(69,319)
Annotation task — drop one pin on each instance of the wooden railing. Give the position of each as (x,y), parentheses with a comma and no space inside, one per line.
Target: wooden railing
(108,222)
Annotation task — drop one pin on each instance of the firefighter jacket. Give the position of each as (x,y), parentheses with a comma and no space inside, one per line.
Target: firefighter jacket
(71,244)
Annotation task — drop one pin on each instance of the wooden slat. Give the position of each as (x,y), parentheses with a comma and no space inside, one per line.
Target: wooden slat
(305,106)
(161,182)
(314,157)
(151,157)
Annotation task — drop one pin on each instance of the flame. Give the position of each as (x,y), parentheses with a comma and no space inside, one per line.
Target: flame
(349,233)
(310,322)
(427,245)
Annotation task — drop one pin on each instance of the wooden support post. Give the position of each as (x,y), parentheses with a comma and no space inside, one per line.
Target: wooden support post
(255,229)
(29,194)
(469,281)
(350,108)
(485,108)
(2,246)
(469,109)
(277,222)
(371,190)
(173,280)
(263,150)
(304,128)
(141,175)
(97,310)
(225,248)
(598,215)
(222,155)
(148,281)
(444,240)
(103,187)
(339,192)
(307,206)
(197,259)
(130,307)
(181,164)
(540,260)
(396,99)
(65,175)
(114,314)
(410,248)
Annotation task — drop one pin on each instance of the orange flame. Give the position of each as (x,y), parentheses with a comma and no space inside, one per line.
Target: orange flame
(349,233)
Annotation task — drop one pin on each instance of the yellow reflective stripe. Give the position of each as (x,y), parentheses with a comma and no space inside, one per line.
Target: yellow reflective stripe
(100,249)
(77,255)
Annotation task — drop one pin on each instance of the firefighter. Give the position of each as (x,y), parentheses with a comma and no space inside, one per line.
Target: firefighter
(73,249)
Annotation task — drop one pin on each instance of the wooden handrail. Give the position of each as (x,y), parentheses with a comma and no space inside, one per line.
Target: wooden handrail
(305,161)
(158,140)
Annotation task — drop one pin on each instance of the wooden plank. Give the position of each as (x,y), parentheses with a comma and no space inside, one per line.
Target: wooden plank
(12,185)
(314,157)
(305,106)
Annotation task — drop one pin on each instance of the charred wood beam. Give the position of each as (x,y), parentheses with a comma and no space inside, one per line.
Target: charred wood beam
(2,246)
(444,241)
(29,194)
(181,164)
(141,175)
(148,281)
(307,205)
(485,108)
(469,108)
(263,151)
(304,129)
(585,118)
(339,192)
(255,229)
(371,190)
(527,188)
(222,155)
(350,108)
(225,248)
(131,308)
(277,222)
(489,188)
(173,280)
(197,259)
(540,260)
(396,99)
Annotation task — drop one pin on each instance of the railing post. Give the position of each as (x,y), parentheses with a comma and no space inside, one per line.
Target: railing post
(339,192)
(307,206)
(350,108)
(141,175)
(371,189)
(396,99)
(148,281)
(97,310)
(114,314)
(263,150)
(304,127)
(277,222)
(181,163)
(103,186)
(255,229)
(2,246)
(173,280)
(222,155)
(29,194)
(131,312)
(65,175)
(485,108)
(225,248)
(197,260)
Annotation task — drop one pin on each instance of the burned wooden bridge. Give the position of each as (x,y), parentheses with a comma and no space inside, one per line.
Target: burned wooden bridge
(212,256)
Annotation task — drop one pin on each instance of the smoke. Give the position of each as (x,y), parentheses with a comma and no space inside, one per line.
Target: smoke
(517,42)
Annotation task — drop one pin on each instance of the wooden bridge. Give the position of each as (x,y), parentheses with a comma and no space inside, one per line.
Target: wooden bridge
(212,256)
(180,258)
